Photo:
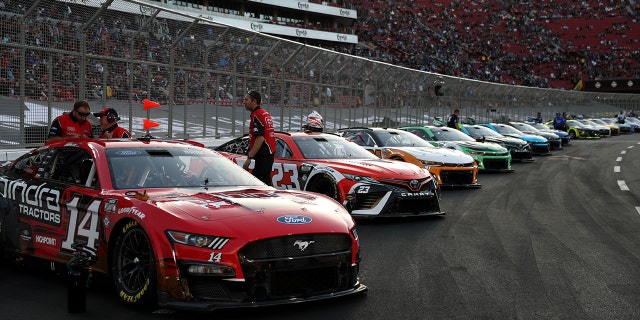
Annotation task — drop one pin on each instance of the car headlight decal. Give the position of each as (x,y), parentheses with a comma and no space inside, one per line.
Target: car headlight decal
(197,240)
(358,178)
(211,269)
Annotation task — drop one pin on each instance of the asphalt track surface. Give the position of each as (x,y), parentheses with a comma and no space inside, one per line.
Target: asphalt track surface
(556,239)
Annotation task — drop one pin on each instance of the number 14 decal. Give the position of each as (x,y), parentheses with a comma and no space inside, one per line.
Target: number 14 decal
(87,228)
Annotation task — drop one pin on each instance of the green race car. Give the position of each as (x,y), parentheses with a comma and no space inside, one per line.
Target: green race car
(489,156)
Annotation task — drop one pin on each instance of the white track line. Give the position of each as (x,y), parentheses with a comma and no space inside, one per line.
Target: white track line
(623,185)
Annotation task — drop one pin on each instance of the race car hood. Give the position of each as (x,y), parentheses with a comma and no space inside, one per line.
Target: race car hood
(478,146)
(240,208)
(545,134)
(443,155)
(529,137)
(506,140)
(382,168)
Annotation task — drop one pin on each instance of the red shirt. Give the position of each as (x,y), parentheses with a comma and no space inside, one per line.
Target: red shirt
(116,132)
(66,125)
(262,125)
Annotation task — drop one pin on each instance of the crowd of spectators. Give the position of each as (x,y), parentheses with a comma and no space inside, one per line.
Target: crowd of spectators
(532,43)
(536,43)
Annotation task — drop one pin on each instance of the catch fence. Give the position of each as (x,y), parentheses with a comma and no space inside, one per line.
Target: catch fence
(118,53)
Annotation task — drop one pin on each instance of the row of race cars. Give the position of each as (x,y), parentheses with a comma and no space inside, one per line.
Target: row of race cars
(179,225)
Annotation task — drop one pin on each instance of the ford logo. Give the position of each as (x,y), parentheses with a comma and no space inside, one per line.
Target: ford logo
(128,152)
(294,219)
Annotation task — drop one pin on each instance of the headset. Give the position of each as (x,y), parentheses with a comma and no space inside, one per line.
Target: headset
(111,118)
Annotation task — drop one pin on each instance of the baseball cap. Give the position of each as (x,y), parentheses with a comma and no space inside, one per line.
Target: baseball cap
(106,112)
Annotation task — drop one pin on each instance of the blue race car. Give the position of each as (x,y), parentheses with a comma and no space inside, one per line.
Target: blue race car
(539,144)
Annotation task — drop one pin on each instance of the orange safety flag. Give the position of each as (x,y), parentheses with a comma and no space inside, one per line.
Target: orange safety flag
(148,104)
(149,124)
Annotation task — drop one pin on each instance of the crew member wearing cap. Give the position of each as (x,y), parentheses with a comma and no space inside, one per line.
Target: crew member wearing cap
(109,124)
(72,124)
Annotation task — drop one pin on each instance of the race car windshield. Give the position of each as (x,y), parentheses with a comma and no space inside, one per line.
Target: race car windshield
(525,127)
(574,123)
(539,126)
(174,167)
(330,147)
(479,132)
(398,138)
(446,134)
(507,130)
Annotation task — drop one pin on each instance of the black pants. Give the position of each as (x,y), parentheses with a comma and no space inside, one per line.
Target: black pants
(262,168)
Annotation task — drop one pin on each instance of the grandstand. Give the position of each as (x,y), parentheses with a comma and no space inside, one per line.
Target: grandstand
(548,44)
(545,44)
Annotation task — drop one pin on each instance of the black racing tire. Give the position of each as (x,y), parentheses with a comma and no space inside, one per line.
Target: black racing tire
(133,267)
(572,134)
(325,184)
(397,158)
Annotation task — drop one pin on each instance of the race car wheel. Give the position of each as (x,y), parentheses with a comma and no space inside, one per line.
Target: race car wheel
(325,184)
(397,158)
(133,266)
(572,134)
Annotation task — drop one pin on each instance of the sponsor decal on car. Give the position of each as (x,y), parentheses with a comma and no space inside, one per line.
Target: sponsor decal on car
(46,240)
(132,210)
(129,153)
(110,205)
(36,201)
(302,245)
(293,219)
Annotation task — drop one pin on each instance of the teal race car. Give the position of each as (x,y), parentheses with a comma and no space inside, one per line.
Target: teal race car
(489,156)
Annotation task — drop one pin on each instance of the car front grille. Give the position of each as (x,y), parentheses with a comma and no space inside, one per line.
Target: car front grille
(283,268)
(292,270)
(456,177)
(519,154)
(406,207)
(495,164)
(540,149)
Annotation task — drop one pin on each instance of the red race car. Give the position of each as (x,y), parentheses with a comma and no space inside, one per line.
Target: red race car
(329,164)
(174,224)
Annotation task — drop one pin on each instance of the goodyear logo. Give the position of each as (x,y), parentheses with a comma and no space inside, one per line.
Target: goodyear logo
(294,219)
(256,26)
(303,5)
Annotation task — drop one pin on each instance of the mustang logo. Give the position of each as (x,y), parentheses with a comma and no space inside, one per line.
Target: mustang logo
(302,244)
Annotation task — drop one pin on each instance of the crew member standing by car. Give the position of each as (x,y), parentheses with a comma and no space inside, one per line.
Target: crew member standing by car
(109,124)
(560,122)
(454,120)
(621,117)
(538,118)
(262,140)
(72,124)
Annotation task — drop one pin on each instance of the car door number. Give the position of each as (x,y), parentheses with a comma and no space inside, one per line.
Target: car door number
(285,176)
(86,228)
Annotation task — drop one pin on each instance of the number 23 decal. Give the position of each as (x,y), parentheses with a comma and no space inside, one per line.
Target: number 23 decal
(285,176)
